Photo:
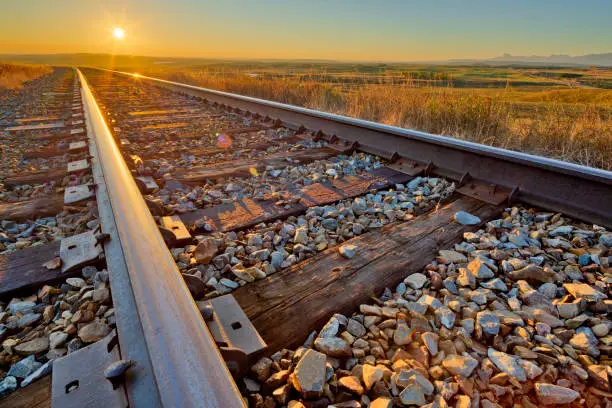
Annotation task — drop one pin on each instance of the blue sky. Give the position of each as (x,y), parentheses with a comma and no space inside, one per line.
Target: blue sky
(356,30)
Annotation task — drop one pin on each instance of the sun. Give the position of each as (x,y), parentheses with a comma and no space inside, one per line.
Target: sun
(118,33)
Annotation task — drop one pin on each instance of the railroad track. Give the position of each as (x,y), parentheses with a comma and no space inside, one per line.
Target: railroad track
(264,254)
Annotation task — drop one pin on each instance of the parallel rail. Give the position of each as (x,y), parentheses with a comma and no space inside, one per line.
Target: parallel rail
(160,327)
(582,192)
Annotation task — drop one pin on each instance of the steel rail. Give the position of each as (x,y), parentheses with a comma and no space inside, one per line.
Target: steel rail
(140,384)
(582,192)
(160,327)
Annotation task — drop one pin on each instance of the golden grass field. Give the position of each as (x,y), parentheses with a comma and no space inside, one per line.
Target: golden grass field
(516,109)
(563,113)
(12,76)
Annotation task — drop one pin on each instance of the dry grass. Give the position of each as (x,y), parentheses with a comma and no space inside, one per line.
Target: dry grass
(573,125)
(12,76)
(586,96)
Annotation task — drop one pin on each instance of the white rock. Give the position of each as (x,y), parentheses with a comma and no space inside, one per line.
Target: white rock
(301,236)
(348,250)
(480,269)
(416,280)
(431,342)
(445,317)
(507,363)
(57,339)
(550,394)
(460,365)
(531,370)
(309,374)
(464,218)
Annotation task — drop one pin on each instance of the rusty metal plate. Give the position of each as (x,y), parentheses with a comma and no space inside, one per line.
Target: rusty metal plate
(231,327)
(74,194)
(146,184)
(78,378)
(407,166)
(174,225)
(77,145)
(125,142)
(488,193)
(76,115)
(76,122)
(78,250)
(78,165)
(77,131)
(343,147)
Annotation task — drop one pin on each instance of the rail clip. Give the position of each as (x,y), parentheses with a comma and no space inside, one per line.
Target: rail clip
(235,335)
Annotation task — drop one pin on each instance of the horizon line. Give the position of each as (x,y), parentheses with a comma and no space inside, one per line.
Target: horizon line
(498,58)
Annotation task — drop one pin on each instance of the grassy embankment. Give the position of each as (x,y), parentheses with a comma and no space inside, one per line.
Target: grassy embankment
(12,76)
(550,119)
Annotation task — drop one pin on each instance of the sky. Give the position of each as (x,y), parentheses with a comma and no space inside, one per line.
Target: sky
(427,30)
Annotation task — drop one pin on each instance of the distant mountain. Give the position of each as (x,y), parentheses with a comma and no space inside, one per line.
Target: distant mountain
(604,59)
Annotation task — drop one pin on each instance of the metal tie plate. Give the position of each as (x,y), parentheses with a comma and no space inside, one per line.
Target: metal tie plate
(235,335)
(76,115)
(491,194)
(78,165)
(173,230)
(77,145)
(146,184)
(78,378)
(407,166)
(77,131)
(76,122)
(74,194)
(78,250)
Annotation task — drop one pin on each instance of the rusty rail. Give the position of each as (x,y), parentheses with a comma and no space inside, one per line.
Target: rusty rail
(160,327)
(582,192)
